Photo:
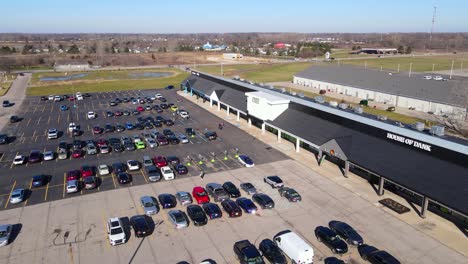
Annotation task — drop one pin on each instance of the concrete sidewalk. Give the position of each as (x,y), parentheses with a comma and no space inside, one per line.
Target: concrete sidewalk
(16,95)
(434,226)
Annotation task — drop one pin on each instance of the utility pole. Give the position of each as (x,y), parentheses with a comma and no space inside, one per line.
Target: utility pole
(432,27)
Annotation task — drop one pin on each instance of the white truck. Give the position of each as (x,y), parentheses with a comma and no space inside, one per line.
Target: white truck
(294,247)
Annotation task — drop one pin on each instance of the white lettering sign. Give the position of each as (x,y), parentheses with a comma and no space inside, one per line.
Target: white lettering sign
(409,142)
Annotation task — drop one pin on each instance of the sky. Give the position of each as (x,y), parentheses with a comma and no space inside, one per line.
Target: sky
(221,16)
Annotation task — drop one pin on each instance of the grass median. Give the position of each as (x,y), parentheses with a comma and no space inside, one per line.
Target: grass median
(93,85)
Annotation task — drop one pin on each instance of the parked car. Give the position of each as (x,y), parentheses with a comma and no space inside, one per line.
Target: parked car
(103,169)
(167,173)
(273,181)
(263,200)
(212,210)
(14,119)
(4,139)
(91,115)
(124,178)
(246,161)
(271,252)
(35,156)
(167,200)
(18,195)
(133,165)
(197,215)
(178,218)
(247,205)
(190,132)
(181,169)
(90,182)
(333,260)
(231,208)
(248,188)
(78,153)
(52,133)
(62,154)
(87,171)
(217,192)
(149,204)
(200,195)
(91,149)
(184,198)
(140,225)
(211,135)
(73,175)
(294,247)
(231,189)
(160,161)
(5,233)
(376,256)
(331,239)
(346,232)
(118,167)
(153,173)
(73,186)
(39,180)
(116,231)
(19,160)
(290,194)
(247,253)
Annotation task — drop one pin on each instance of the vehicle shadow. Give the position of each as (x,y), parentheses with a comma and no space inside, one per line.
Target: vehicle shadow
(16,229)
(127,227)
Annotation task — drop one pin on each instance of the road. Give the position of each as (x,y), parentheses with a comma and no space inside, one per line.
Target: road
(16,95)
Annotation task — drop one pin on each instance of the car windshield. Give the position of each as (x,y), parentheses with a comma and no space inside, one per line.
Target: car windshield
(219,192)
(16,195)
(3,233)
(255,260)
(201,193)
(149,204)
(248,185)
(294,194)
(179,217)
(116,231)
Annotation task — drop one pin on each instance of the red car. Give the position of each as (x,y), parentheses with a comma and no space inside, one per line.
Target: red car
(73,175)
(86,171)
(97,130)
(101,142)
(140,108)
(160,161)
(71,98)
(200,195)
(77,154)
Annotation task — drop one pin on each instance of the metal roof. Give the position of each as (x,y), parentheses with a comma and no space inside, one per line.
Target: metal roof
(452,92)
(271,98)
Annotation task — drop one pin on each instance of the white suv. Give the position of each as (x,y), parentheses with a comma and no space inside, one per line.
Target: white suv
(184,114)
(167,173)
(91,115)
(115,231)
(52,133)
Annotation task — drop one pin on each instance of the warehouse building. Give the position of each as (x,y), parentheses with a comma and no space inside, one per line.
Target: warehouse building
(431,169)
(441,97)
(71,65)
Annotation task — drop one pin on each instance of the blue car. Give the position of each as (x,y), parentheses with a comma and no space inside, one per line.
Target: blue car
(246,161)
(63,108)
(129,126)
(212,210)
(247,205)
(39,180)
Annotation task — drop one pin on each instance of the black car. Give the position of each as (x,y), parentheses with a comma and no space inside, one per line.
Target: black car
(167,132)
(4,139)
(140,225)
(156,123)
(346,232)
(76,132)
(181,169)
(87,95)
(160,118)
(43,98)
(167,200)
(247,253)
(231,208)
(39,180)
(77,144)
(212,210)
(109,128)
(124,177)
(35,156)
(271,252)
(139,126)
(7,103)
(376,256)
(162,99)
(14,119)
(211,135)
(119,128)
(130,146)
(290,194)
(148,125)
(63,145)
(247,205)
(196,213)
(109,114)
(118,167)
(117,100)
(164,106)
(333,260)
(231,189)
(263,200)
(168,122)
(117,147)
(169,87)
(190,132)
(331,240)
(173,140)
(125,100)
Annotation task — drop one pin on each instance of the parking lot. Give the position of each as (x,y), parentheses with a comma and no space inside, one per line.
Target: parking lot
(38,116)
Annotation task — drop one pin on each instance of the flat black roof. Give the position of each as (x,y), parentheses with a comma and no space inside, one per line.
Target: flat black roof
(452,92)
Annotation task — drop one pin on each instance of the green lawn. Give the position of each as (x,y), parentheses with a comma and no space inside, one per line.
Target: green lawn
(374,111)
(94,75)
(419,63)
(262,73)
(108,85)
(4,86)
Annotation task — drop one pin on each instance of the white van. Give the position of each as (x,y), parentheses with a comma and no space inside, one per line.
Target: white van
(294,247)
(79,96)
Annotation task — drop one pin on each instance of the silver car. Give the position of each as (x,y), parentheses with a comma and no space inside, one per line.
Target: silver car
(5,233)
(152,143)
(149,204)
(248,188)
(178,218)
(17,196)
(217,191)
(184,198)
(62,154)
(183,139)
(91,149)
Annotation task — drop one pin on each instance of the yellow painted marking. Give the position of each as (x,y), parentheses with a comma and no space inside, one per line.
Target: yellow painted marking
(144,175)
(30,186)
(113,179)
(9,196)
(64,183)
(46,191)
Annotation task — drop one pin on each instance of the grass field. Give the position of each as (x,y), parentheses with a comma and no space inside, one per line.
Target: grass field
(4,86)
(259,72)
(369,110)
(98,84)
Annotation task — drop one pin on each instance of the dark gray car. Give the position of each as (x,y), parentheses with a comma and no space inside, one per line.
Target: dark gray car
(217,191)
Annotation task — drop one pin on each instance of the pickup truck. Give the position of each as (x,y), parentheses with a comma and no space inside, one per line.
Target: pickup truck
(246,252)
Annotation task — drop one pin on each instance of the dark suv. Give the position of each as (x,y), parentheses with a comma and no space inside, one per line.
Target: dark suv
(331,240)
(231,189)
(231,208)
